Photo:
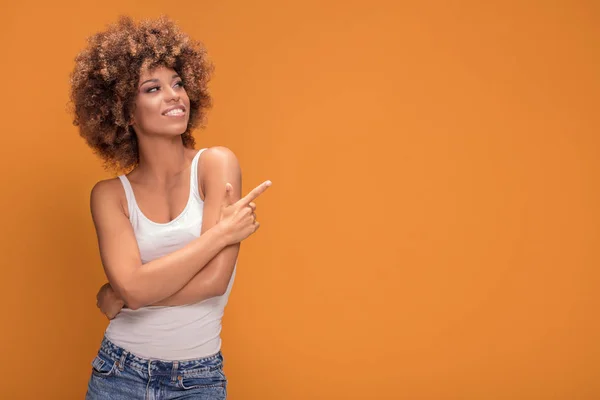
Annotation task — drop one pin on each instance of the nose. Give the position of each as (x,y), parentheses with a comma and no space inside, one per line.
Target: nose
(171,94)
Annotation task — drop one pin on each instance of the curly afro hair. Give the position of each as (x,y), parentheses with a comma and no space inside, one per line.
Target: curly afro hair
(105,79)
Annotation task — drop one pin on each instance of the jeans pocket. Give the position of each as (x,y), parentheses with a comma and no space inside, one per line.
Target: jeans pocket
(103,366)
(206,379)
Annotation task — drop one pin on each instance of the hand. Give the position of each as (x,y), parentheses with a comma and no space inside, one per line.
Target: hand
(108,301)
(239,218)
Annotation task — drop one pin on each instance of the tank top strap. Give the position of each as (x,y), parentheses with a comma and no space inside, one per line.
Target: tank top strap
(194,174)
(128,195)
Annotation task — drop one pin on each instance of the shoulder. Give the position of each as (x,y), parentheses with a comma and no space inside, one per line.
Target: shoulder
(218,156)
(217,166)
(106,188)
(108,192)
(217,159)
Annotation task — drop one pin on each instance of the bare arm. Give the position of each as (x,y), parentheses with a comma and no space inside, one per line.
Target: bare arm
(220,166)
(139,286)
(156,280)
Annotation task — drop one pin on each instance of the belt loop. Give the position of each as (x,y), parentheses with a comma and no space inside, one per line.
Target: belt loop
(122,360)
(174,371)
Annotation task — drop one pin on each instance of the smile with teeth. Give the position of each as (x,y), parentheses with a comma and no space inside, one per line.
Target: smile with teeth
(175,112)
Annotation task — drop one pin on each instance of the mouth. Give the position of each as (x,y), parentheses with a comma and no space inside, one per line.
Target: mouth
(175,111)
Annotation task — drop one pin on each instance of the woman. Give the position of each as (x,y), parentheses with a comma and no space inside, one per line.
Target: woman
(168,230)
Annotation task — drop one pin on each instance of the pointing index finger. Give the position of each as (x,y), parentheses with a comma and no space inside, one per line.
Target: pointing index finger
(254,193)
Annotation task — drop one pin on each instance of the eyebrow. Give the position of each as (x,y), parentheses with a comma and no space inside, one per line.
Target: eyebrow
(156,80)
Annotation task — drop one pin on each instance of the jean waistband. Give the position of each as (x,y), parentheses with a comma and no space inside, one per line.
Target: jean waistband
(160,367)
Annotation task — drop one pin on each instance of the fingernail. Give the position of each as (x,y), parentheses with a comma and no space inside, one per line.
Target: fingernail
(268,183)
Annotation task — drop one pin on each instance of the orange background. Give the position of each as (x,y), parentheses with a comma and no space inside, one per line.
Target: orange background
(433,229)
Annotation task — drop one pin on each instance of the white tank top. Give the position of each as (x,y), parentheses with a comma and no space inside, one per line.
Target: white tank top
(169,333)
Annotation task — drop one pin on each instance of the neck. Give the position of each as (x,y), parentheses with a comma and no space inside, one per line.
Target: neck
(161,158)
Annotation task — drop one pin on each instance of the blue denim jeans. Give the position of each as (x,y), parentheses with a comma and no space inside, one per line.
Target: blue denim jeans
(119,375)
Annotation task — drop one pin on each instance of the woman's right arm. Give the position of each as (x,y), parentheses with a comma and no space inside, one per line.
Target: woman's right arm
(156,280)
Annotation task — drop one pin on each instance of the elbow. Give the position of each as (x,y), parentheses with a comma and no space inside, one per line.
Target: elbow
(132,299)
(221,290)
(222,285)
(215,286)
(220,280)
(133,305)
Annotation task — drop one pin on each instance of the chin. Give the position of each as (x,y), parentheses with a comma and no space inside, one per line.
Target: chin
(175,130)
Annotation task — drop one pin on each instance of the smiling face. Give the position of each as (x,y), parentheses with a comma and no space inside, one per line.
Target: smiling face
(162,107)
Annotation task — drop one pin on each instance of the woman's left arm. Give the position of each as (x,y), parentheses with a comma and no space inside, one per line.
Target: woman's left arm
(219,166)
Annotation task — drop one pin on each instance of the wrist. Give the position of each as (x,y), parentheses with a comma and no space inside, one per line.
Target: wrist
(222,235)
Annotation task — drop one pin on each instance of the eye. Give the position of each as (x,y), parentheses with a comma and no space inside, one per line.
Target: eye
(179,84)
(150,90)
